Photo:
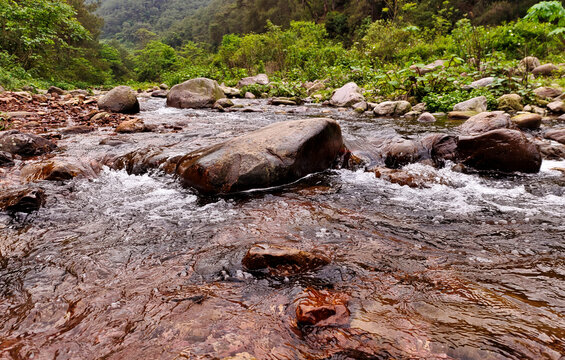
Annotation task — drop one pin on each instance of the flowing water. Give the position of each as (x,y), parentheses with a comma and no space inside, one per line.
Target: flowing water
(135,266)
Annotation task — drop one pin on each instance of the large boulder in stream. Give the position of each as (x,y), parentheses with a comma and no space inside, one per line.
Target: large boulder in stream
(17,143)
(194,94)
(121,99)
(503,150)
(277,154)
(486,121)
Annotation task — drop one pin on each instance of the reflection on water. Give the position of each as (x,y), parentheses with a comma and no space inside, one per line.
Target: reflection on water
(125,266)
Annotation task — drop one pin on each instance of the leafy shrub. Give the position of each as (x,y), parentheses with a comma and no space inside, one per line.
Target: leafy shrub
(444,102)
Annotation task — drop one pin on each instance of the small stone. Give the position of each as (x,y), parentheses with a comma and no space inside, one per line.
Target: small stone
(322,308)
(249,95)
(527,121)
(55,90)
(557,106)
(426,118)
(282,261)
(132,126)
(510,102)
(477,104)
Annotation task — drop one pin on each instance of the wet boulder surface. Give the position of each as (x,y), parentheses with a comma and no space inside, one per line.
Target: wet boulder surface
(277,154)
(24,144)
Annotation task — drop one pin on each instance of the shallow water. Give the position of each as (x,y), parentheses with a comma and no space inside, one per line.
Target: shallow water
(125,266)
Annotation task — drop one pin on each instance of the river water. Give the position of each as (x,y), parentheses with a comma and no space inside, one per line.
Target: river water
(135,266)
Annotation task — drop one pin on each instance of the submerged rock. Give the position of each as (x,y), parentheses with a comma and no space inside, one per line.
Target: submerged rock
(277,154)
(502,150)
(132,126)
(59,170)
(322,308)
(282,261)
(23,200)
(195,93)
(426,118)
(348,95)
(121,99)
(17,143)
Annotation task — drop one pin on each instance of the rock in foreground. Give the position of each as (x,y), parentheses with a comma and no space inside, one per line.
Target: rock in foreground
(195,93)
(282,261)
(277,154)
(17,143)
(23,200)
(502,150)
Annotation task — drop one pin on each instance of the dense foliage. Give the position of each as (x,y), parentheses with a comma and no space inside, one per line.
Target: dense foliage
(56,42)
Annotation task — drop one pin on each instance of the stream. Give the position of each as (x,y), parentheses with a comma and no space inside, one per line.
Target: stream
(136,266)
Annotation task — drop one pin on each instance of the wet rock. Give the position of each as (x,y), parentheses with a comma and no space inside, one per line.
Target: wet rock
(78,129)
(59,170)
(478,104)
(141,161)
(160,94)
(392,108)
(224,103)
(557,106)
(284,101)
(546,92)
(260,79)
(195,93)
(405,178)
(282,261)
(115,141)
(17,143)
(529,63)
(230,92)
(551,150)
(55,90)
(6,159)
(347,95)
(277,154)
(121,99)
(485,121)
(441,147)
(555,134)
(249,95)
(99,116)
(24,200)
(527,121)
(241,356)
(402,152)
(502,150)
(132,126)
(360,107)
(461,115)
(510,102)
(426,118)
(544,70)
(484,82)
(322,308)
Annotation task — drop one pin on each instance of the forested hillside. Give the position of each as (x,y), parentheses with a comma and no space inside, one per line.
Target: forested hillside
(177,21)
(134,21)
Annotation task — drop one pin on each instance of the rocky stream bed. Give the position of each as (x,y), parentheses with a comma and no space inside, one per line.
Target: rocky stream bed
(104,254)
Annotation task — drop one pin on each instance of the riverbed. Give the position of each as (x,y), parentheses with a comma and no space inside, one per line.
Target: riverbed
(122,266)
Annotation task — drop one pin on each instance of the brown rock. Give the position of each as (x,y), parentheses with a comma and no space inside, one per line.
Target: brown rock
(55,90)
(502,150)
(260,79)
(485,121)
(277,154)
(426,118)
(23,200)
(6,159)
(527,121)
(557,106)
(322,308)
(59,170)
(282,261)
(461,115)
(544,70)
(78,129)
(132,126)
(160,93)
(556,135)
(23,144)
(546,92)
